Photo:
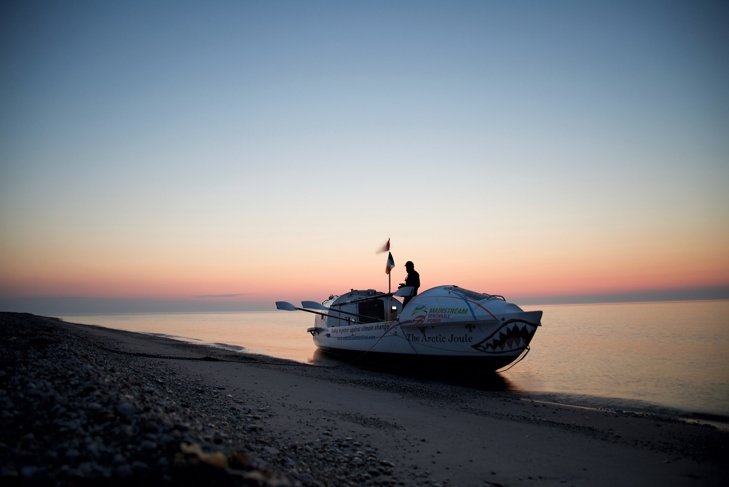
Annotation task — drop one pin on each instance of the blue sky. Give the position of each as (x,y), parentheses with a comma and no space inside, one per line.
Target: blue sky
(177,149)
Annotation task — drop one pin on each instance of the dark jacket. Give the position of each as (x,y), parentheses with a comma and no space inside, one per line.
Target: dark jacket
(413,280)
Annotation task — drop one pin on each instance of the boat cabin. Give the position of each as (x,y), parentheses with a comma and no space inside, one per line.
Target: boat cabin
(360,307)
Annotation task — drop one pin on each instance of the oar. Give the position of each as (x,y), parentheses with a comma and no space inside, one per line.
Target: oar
(286,306)
(321,307)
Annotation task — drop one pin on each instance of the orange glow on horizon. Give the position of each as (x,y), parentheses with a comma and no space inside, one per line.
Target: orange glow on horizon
(319,281)
(284,270)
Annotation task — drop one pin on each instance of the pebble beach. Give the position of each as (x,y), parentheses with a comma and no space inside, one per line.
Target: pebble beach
(87,405)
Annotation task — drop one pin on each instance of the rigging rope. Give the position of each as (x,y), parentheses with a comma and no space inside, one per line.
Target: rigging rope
(521,357)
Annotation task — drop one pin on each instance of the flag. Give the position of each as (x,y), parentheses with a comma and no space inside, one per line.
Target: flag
(385,247)
(390,263)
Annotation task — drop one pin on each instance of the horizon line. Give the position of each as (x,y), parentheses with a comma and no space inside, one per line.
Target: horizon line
(81,305)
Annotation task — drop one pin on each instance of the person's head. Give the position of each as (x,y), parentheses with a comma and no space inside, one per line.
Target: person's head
(409,266)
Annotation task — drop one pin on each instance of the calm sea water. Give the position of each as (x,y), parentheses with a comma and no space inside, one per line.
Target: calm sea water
(662,354)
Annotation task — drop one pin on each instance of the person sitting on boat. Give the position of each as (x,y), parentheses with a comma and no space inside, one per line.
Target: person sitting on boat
(412,280)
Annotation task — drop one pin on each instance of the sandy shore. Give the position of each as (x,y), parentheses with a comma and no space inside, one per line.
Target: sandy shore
(83,403)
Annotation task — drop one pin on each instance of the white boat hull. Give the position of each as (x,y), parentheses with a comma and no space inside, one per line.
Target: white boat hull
(507,337)
(445,323)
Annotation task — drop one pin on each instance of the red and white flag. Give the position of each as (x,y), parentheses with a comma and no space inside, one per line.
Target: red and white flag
(390,262)
(384,248)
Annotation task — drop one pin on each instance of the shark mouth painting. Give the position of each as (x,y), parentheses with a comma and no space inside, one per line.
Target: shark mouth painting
(514,335)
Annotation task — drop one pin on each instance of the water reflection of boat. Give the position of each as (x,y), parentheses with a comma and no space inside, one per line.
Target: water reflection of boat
(443,327)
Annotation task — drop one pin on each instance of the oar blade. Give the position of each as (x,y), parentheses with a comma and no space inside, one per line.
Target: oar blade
(405,291)
(314,305)
(285,306)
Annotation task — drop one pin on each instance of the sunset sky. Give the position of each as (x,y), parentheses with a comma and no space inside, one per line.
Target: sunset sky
(233,153)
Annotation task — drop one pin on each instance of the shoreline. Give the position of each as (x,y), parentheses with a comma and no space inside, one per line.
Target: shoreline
(198,411)
(691,381)
(566,399)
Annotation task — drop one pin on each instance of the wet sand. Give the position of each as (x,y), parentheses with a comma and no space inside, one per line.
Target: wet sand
(155,408)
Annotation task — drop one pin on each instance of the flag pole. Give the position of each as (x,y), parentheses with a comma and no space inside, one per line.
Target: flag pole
(388,267)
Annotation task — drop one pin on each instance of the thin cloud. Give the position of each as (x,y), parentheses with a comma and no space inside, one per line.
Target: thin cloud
(222,296)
